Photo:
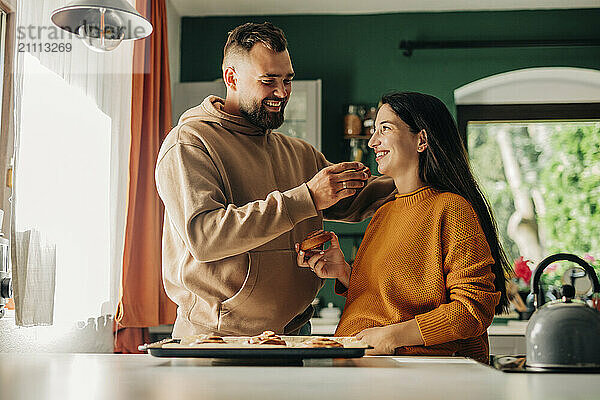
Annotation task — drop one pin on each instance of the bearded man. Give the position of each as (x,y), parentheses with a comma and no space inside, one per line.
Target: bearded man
(238,196)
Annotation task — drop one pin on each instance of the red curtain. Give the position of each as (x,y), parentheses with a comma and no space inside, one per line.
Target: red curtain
(143,300)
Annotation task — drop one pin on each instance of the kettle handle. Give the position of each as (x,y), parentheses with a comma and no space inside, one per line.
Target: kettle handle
(535,279)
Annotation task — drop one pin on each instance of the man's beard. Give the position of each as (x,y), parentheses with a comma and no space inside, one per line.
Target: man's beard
(258,115)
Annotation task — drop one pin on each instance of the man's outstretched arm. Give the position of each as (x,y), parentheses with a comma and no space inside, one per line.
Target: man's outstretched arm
(191,188)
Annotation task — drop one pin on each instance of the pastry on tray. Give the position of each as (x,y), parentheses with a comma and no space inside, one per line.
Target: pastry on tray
(322,342)
(204,339)
(267,337)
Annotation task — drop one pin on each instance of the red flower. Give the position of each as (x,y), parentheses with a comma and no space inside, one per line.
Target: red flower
(551,267)
(522,269)
(587,257)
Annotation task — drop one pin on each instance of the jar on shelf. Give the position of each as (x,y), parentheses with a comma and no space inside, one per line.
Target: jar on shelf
(358,150)
(369,122)
(352,121)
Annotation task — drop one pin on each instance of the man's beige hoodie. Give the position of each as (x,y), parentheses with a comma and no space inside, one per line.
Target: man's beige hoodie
(236,202)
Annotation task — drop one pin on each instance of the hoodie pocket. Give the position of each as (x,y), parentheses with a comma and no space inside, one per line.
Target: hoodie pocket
(246,289)
(275,292)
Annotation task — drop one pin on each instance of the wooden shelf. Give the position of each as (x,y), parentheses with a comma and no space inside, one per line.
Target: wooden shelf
(365,137)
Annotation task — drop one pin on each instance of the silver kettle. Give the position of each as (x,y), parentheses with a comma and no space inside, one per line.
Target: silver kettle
(564,333)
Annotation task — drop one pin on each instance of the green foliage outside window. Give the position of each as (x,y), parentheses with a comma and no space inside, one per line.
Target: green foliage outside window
(564,167)
(486,163)
(571,189)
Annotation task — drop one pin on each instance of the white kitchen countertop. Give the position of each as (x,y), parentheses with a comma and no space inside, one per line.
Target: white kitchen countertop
(130,377)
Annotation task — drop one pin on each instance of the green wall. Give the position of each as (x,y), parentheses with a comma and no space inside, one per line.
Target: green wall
(358,59)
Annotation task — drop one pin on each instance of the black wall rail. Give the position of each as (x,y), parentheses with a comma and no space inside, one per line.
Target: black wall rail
(410,45)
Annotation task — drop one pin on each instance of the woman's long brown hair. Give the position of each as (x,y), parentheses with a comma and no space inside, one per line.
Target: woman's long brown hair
(445,167)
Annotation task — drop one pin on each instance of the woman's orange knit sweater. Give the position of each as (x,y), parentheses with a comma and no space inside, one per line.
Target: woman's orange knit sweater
(425,256)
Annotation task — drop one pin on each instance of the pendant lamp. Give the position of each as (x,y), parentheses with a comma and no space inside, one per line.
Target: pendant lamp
(102,24)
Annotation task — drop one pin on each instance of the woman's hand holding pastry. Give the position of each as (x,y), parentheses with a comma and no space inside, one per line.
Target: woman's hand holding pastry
(328,263)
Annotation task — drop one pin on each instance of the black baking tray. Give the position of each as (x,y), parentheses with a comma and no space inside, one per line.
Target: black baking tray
(275,353)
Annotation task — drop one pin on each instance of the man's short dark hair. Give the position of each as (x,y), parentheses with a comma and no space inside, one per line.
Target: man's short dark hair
(244,37)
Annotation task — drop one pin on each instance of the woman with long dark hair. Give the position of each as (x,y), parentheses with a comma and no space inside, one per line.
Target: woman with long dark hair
(430,273)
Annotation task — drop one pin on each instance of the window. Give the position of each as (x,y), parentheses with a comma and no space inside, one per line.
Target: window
(545,191)
(62,189)
(538,128)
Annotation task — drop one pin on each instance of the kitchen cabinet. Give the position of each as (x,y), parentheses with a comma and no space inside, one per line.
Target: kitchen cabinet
(508,339)
(507,344)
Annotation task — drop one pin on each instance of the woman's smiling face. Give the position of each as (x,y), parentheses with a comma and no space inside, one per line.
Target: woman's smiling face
(396,147)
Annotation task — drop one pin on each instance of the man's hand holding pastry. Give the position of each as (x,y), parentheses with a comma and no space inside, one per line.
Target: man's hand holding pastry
(336,182)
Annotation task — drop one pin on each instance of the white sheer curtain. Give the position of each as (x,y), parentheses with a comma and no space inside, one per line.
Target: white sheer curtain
(72,123)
